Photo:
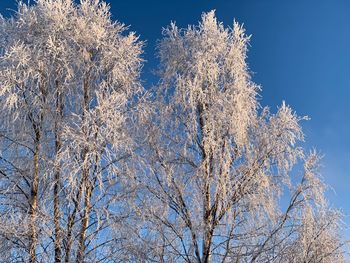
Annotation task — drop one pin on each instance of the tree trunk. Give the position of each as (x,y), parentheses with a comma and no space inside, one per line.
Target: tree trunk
(58,144)
(207,213)
(33,208)
(207,217)
(70,224)
(57,216)
(85,222)
(85,176)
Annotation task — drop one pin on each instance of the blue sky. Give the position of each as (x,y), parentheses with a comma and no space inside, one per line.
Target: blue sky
(300,53)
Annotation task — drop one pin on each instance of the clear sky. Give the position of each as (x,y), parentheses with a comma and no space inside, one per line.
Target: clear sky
(300,53)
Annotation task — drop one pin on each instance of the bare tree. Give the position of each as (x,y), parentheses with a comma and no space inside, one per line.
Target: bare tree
(220,167)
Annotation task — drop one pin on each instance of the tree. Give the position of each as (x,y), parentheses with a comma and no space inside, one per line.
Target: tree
(95,169)
(220,167)
(69,89)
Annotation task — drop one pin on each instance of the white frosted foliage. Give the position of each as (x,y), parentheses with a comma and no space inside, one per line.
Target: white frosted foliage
(95,168)
(221,167)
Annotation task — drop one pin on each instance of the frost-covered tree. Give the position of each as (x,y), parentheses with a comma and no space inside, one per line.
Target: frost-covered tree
(29,76)
(69,83)
(220,182)
(91,171)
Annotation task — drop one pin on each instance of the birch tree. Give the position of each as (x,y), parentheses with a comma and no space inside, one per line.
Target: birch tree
(93,170)
(69,85)
(221,167)
(29,74)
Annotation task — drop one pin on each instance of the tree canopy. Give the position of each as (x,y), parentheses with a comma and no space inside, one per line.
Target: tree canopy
(94,167)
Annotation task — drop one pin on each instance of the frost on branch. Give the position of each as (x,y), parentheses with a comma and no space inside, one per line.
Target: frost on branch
(69,93)
(220,166)
(95,169)
(206,67)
